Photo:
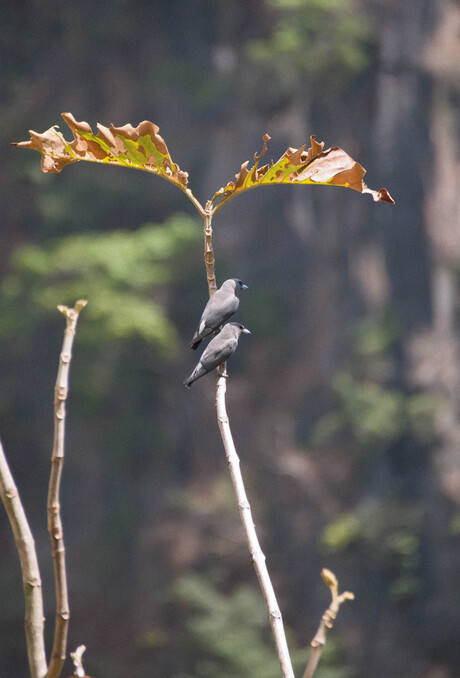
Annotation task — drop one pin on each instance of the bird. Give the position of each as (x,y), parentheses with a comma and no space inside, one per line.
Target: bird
(220,307)
(219,349)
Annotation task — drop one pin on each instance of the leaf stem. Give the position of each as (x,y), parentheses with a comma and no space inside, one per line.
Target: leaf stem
(198,206)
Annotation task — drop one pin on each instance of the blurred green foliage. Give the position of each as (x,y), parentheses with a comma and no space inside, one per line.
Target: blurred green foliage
(323,40)
(454,527)
(387,532)
(371,411)
(122,274)
(341,532)
(368,407)
(229,631)
(376,415)
(376,334)
(227,635)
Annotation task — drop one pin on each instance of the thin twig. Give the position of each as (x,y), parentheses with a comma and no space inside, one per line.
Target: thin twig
(327,621)
(258,558)
(34,620)
(58,653)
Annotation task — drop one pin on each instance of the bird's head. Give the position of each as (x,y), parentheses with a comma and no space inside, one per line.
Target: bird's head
(241,329)
(239,284)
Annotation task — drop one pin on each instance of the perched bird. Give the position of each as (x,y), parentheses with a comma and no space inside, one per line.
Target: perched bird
(220,307)
(217,351)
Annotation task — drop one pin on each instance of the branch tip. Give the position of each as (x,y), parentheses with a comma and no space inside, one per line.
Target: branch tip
(346,595)
(329,578)
(72,313)
(55,527)
(327,620)
(78,661)
(80,304)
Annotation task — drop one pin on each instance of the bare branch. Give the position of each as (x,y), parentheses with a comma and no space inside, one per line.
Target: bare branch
(258,558)
(327,620)
(244,509)
(55,529)
(34,620)
(208,249)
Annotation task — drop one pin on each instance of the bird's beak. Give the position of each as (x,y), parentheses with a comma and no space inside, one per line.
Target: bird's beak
(245,331)
(244,287)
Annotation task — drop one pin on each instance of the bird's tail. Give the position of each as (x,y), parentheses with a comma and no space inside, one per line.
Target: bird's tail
(195,342)
(199,336)
(196,374)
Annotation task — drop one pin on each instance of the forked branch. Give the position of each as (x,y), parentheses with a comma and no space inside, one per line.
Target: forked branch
(327,620)
(34,620)
(58,654)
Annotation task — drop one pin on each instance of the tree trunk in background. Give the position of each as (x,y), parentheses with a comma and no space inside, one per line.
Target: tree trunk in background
(417,148)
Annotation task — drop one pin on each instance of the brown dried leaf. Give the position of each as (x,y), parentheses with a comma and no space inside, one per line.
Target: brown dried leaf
(139,147)
(332,167)
(143,148)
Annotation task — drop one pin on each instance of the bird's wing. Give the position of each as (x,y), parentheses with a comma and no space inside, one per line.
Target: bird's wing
(219,309)
(218,351)
(209,312)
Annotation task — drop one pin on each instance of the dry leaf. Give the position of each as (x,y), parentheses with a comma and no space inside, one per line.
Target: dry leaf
(143,148)
(332,167)
(138,147)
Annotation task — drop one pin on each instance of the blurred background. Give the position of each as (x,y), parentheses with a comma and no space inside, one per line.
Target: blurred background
(345,400)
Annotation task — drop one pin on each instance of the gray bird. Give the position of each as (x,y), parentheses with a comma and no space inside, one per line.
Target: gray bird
(220,307)
(219,349)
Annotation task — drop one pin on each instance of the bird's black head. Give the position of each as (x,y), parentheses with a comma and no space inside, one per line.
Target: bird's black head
(241,328)
(239,284)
